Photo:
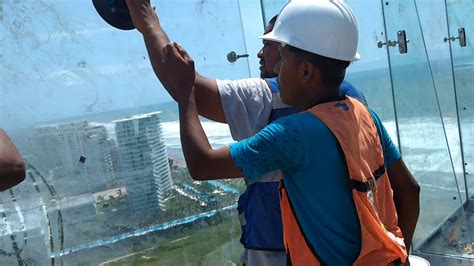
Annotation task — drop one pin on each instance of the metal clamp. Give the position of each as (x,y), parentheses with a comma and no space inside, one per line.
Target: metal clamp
(233,56)
(461,37)
(402,42)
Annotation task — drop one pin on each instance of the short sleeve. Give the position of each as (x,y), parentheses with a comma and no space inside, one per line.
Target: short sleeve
(277,146)
(348,89)
(391,153)
(247,105)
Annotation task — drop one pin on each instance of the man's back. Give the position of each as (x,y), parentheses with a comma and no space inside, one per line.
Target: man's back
(249,105)
(316,181)
(316,178)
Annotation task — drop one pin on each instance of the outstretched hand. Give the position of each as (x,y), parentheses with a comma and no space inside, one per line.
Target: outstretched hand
(143,15)
(181,71)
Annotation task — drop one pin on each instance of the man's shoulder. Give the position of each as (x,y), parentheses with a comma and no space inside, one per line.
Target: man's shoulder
(375,117)
(242,83)
(303,121)
(348,89)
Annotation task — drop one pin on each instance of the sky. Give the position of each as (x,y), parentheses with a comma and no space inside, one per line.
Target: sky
(58,58)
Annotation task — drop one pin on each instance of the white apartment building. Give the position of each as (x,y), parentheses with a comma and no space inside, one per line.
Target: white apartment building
(144,161)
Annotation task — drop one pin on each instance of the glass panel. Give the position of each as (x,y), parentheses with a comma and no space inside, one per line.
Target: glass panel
(460,16)
(432,21)
(105,176)
(460,19)
(371,73)
(426,119)
(271,8)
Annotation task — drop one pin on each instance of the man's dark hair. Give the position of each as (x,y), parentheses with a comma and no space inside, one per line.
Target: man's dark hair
(332,71)
(272,20)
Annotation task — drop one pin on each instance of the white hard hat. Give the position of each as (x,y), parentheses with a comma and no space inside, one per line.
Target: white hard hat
(323,27)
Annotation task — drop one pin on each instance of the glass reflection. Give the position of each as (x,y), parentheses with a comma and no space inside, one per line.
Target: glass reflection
(106,179)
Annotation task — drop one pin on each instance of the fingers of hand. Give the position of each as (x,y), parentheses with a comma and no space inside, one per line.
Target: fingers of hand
(184,54)
(179,50)
(175,52)
(171,54)
(168,50)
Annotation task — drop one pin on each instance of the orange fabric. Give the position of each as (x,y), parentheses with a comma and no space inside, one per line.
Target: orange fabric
(295,244)
(356,132)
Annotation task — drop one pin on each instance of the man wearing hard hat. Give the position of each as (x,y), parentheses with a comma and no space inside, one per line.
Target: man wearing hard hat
(403,184)
(336,197)
(247,106)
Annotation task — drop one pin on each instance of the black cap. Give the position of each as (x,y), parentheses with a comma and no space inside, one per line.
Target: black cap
(114,12)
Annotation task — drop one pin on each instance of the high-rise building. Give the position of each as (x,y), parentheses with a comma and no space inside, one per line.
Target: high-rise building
(99,152)
(144,161)
(80,151)
(71,146)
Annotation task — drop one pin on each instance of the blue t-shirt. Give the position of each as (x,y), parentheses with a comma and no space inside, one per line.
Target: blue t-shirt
(348,89)
(316,179)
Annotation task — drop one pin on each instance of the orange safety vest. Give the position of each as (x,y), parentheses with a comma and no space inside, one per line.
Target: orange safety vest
(382,241)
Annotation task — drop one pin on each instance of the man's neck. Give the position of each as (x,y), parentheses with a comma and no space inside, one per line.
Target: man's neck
(323,95)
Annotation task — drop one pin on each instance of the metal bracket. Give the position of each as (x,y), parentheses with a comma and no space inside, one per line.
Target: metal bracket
(402,42)
(461,37)
(233,56)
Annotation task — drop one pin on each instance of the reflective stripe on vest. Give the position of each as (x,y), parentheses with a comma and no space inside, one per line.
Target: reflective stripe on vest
(381,238)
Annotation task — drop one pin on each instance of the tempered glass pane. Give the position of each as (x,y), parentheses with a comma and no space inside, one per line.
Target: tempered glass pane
(371,73)
(423,139)
(271,8)
(103,186)
(460,16)
(432,15)
(460,19)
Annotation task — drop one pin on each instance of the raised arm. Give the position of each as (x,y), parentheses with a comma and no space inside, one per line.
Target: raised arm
(203,162)
(146,21)
(406,195)
(12,168)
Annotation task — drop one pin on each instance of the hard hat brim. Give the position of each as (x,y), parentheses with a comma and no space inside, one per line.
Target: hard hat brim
(116,17)
(271,37)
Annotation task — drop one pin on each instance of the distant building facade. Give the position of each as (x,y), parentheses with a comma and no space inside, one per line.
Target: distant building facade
(77,150)
(144,161)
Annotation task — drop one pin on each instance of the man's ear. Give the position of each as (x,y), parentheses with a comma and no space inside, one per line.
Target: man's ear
(309,71)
